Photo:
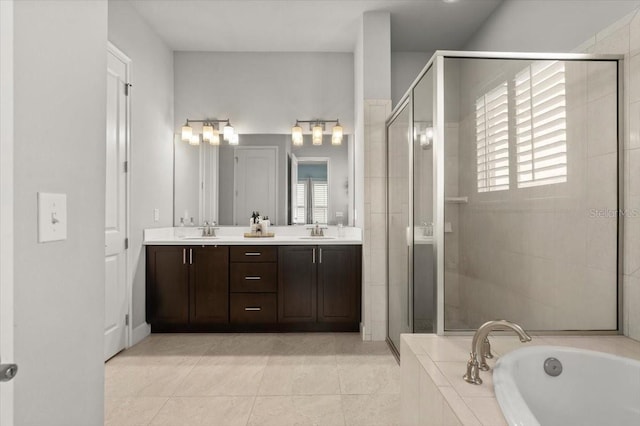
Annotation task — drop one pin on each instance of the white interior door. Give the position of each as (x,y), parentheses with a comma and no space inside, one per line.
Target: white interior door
(255,181)
(115,229)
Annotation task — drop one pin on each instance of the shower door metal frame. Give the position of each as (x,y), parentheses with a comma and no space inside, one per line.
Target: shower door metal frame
(406,102)
(437,61)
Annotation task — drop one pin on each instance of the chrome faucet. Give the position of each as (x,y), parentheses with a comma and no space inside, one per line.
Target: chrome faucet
(317,231)
(209,229)
(480,346)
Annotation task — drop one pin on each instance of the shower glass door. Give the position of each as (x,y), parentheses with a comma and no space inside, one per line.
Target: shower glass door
(424,279)
(399,229)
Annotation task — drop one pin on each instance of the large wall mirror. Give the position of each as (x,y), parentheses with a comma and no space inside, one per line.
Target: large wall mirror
(292,185)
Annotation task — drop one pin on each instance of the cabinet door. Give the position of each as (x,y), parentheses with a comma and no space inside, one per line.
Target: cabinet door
(167,285)
(297,288)
(339,283)
(209,285)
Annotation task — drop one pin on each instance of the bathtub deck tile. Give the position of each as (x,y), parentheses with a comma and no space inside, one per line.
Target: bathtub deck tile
(443,359)
(486,410)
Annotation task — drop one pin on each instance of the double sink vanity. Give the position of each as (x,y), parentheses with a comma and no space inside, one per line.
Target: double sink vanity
(228,282)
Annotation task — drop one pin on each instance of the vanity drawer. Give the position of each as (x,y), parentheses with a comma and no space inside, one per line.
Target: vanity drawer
(253,308)
(254,277)
(254,254)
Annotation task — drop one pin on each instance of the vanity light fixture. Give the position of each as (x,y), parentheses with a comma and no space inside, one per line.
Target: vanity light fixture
(210,132)
(336,134)
(316,134)
(227,131)
(317,128)
(296,135)
(234,139)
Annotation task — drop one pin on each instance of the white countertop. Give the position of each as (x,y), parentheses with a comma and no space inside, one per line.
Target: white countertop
(234,235)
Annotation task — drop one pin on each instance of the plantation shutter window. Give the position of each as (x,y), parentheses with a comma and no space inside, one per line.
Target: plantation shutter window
(541,135)
(492,140)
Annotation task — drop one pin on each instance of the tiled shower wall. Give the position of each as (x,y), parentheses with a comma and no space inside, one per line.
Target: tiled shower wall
(589,252)
(623,37)
(374,241)
(535,255)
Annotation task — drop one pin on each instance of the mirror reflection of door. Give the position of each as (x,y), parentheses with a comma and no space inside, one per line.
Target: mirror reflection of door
(255,183)
(311,194)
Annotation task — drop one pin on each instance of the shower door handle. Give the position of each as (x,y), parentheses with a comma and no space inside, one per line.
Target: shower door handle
(8,372)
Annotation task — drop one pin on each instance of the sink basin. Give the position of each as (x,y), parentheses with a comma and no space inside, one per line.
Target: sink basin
(317,238)
(200,237)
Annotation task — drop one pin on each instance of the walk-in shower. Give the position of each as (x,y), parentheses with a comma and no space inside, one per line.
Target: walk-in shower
(504,194)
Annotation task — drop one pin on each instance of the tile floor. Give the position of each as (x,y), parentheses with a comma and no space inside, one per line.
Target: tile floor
(253,379)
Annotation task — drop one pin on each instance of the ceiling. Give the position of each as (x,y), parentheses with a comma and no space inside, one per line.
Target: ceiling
(310,25)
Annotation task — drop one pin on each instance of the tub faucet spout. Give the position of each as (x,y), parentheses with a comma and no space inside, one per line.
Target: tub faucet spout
(481,348)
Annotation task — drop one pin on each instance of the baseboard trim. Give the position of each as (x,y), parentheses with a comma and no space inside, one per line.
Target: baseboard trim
(139,333)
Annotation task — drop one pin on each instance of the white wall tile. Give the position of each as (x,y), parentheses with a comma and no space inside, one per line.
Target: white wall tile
(632,312)
(634,34)
(632,140)
(410,398)
(634,78)
(602,125)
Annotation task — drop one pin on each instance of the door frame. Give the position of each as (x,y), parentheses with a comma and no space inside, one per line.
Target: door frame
(235,171)
(111,48)
(6,205)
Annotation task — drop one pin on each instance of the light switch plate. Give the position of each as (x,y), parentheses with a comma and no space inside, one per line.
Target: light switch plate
(52,217)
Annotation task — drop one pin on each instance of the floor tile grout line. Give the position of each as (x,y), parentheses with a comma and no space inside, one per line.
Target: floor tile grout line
(158,412)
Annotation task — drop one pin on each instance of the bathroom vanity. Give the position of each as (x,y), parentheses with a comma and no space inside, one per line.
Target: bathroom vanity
(232,283)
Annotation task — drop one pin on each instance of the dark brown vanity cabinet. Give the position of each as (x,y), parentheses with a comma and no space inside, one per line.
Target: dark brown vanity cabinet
(253,288)
(319,284)
(254,272)
(187,285)
(297,284)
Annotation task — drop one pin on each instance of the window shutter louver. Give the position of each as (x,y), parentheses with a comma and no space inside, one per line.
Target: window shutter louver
(541,139)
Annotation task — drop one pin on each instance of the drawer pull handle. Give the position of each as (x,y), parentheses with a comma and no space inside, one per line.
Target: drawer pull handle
(252,309)
(252,253)
(252,278)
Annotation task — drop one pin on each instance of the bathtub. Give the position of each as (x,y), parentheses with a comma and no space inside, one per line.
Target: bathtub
(593,388)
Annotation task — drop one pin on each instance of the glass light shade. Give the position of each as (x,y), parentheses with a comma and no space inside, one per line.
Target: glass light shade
(296,135)
(234,139)
(195,139)
(215,137)
(207,133)
(187,132)
(227,132)
(316,135)
(336,136)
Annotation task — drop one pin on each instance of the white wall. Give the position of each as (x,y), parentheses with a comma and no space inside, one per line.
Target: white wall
(264,92)
(405,67)
(546,26)
(6,204)
(151,134)
(60,101)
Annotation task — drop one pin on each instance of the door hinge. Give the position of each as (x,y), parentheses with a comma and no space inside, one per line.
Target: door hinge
(126,167)
(126,319)
(127,87)
(126,243)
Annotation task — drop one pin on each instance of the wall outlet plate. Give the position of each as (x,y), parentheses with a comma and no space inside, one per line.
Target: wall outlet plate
(52,217)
